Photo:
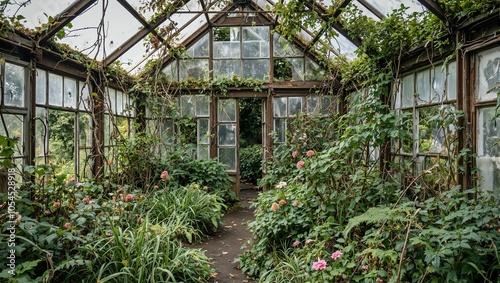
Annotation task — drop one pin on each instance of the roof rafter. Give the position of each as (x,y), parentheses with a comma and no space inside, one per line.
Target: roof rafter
(62,19)
(323,14)
(143,32)
(335,14)
(433,6)
(372,9)
(205,11)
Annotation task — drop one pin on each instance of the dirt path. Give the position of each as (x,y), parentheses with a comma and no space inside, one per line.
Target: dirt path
(224,248)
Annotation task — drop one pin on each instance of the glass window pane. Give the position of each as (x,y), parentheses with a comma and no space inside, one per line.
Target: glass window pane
(295,105)
(227,68)
(84,134)
(279,129)
(226,42)
(227,110)
(62,139)
(313,70)
(203,151)
(488,143)
(111,101)
(41,86)
(170,71)
(407,144)
(14,85)
(41,133)
(451,81)
(119,103)
(55,90)
(70,93)
(227,134)
(167,131)
(14,125)
(255,42)
(187,105)
(313,104)
(487,73)
(280,107)
(84,95)
(423,87)
(200,48)
(407,86)
(430,132)
(202,105)
(283,48)
(193,69)
(328,104)
(85,166)
(228,156)
(256,69)
(438,81)
(203,131)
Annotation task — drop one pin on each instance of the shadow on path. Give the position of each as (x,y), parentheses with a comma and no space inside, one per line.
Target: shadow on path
(225,247)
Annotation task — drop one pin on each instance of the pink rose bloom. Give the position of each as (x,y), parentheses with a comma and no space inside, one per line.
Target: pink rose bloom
(296,243)
(164,175)
(85,200)
(67,225)
(336,255)
(294,154)
(282,202)
(129,197)
(300,164)
(91,202)
(72,180)
(379,280)
(319,265)
(275,207)
(295,203)
(56,204)
(310,153)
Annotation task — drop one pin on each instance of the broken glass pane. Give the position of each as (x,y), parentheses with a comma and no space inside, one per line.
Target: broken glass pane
(488,143)
(227,110)
(70,93)
(488,74)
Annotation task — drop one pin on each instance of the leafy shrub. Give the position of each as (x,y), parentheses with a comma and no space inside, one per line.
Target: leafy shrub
(251,163)
(190,211)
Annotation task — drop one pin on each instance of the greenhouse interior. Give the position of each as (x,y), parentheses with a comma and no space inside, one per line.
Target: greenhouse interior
(367,129)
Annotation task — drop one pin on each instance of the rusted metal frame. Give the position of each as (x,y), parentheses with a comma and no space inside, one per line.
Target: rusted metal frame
(62,19)
(372,9)
(31,114)
(462,105)
(223,12)
(142,33)
(322,13)
(433,7)
(205,12)
(139,18)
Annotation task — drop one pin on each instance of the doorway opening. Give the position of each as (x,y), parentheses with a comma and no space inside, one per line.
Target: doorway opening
(251,140)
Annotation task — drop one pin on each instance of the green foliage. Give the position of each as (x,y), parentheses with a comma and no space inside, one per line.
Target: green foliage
(7,151)
(251,163)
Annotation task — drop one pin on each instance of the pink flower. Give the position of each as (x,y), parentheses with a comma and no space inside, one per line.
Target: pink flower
(85,200)
(72,180)
(296,243)
(79,184)
(129,197)
(379,280)
(308,241)
(164,175)
(108,234)
(310,153)
(282,202)
(319,265)
(365,267)
(295,203)
(67,225)
(91,202)
(275,207)
(294,154)
(56,204)
(300,164)
(336,255)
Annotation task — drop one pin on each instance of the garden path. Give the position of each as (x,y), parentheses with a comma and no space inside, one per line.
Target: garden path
(225,247)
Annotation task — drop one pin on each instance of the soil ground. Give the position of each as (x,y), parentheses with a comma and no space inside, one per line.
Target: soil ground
(224,248)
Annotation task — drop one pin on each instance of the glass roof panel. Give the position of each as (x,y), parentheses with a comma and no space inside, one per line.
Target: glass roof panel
(191,28)
(365,11)
(83,36)
(36,12)
(134,60)
(387,6)
(340,43)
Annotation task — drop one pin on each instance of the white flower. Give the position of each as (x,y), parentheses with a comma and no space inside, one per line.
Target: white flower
(281,185)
